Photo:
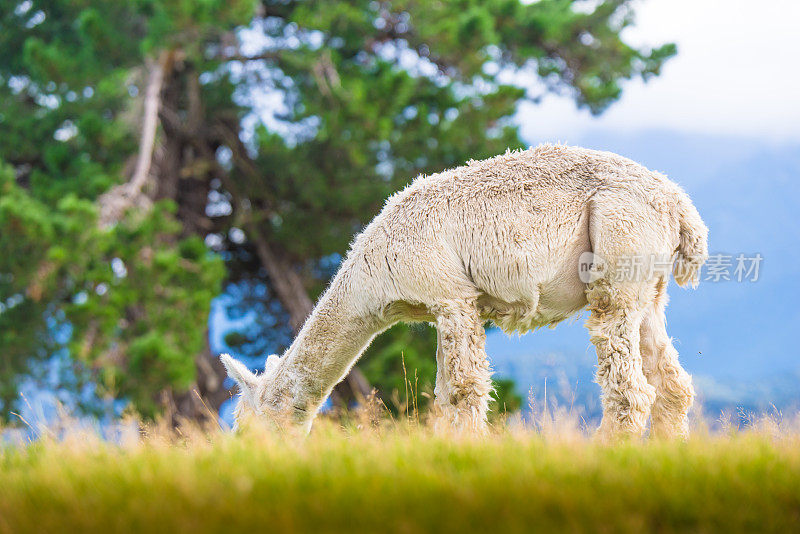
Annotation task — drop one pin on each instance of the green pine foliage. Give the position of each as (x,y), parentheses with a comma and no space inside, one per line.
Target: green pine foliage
(136,297)
(367,94)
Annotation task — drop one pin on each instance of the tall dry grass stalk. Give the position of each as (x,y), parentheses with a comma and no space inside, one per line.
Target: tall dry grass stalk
(548,422)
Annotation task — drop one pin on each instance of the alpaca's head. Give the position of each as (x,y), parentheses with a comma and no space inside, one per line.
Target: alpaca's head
(253,389)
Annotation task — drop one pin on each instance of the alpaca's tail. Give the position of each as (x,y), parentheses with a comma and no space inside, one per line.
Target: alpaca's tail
(692,249)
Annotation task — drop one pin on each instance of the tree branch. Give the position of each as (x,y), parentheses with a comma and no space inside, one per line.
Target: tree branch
(244,58)
(120,198)
(152,101)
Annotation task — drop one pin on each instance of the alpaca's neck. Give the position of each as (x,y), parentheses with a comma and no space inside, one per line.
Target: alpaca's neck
(330,342)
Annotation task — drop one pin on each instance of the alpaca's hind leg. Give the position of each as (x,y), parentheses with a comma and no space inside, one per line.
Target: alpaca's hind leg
(463,379)
(674,391)
(616,314)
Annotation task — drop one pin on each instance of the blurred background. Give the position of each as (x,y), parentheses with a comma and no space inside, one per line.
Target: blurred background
(179,179)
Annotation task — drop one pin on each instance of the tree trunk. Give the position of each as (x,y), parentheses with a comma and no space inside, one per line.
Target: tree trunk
(185,164)
(119,199)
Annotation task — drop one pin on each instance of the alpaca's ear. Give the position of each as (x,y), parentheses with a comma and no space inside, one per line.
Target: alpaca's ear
(272,362)
(240,374)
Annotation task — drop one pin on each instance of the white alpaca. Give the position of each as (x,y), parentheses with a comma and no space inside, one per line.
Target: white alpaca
(501,240)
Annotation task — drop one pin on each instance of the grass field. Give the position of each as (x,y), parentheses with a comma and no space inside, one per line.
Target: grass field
(402,478)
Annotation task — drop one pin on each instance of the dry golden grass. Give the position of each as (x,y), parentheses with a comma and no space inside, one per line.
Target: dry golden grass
(367,472)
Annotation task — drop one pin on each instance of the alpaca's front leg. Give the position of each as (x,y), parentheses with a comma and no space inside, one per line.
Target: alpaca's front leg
(463,378)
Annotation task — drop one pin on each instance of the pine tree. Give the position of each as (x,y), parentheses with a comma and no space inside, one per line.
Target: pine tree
(154,150)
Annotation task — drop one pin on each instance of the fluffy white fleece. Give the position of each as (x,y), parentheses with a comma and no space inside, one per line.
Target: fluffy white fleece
(502,240)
